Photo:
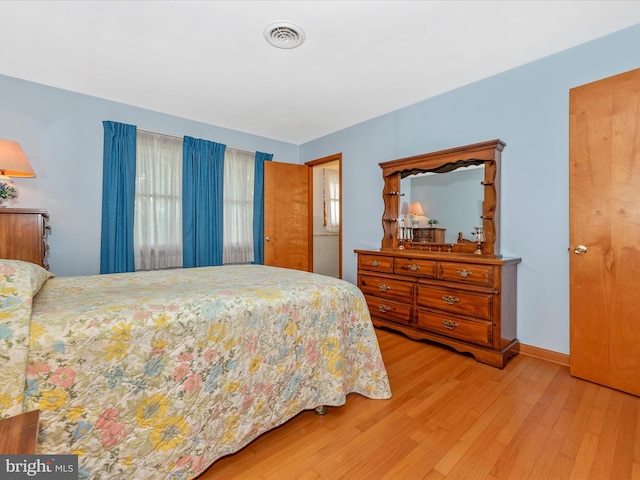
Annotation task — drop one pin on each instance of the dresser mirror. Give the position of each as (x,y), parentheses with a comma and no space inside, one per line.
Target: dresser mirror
(458,187)
(453,200)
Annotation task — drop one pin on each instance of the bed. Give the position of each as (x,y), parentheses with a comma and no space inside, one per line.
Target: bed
(158,374)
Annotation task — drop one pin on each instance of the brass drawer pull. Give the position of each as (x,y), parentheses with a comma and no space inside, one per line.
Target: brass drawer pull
(464,273)
(383,308)
(374,263)
(449,300)
(449,324)
(383,288)
(413,267)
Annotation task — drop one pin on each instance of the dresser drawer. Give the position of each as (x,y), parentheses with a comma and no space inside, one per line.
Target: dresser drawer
(389,310)
(418,267)
(456,327)
(466,273)
(375,263)
(455,301)
(386,287)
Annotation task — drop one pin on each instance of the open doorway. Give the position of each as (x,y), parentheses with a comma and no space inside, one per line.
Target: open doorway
(326,215)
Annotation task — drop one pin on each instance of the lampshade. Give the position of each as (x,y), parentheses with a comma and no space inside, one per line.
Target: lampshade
(13,161)
(416,209)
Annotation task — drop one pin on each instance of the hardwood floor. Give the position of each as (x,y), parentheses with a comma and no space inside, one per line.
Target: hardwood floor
(453,418)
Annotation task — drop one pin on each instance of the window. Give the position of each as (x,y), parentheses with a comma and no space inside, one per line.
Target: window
(239,169)
(158,202)
(331,193)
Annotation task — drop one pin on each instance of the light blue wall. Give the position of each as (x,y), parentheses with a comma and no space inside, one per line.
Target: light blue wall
(61,133)
(528,108)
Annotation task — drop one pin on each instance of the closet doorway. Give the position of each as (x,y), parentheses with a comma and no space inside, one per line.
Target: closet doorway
(325,180)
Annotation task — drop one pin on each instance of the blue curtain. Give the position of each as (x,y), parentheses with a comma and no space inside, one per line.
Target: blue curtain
(118,198)
(258,207)
(202,202)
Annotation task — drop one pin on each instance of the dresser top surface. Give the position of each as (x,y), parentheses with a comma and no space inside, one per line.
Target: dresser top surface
(38,211)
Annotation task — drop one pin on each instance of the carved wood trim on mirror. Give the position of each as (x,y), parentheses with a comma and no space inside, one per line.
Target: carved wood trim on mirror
(487,154)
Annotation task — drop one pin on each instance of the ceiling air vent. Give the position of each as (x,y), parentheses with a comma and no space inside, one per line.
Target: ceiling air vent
(284,35)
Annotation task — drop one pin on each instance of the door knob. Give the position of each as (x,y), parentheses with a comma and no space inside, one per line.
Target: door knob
(580,250)
(268,239)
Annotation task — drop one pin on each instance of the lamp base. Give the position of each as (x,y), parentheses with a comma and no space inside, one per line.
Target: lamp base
(7,186)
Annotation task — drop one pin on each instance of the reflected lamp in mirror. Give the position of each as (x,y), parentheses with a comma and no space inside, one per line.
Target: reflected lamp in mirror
(13,163)
(415,211)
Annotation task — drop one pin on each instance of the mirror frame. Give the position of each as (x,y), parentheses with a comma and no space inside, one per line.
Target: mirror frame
(487,154)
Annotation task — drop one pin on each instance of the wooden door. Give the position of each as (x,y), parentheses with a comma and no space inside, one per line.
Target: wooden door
(286,215)
(604,233)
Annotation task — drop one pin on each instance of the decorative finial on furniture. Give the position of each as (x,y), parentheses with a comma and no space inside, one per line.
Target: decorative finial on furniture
(479,234)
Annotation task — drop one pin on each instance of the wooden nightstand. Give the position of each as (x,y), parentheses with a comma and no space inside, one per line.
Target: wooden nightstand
(18,434)
(23,235)
(429,235)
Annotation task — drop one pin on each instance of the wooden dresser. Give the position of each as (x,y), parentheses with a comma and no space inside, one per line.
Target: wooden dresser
(23,235)
(464,301)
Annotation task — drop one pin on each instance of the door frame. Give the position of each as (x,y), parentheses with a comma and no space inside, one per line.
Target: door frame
(336,157)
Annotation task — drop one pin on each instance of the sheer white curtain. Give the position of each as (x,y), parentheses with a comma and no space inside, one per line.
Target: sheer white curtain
(239,168)
(158,201)
(331,199)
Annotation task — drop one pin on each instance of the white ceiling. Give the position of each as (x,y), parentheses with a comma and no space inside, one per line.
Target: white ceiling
(208,60)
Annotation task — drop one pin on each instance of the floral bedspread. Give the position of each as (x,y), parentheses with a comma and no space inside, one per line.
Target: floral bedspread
(158,374)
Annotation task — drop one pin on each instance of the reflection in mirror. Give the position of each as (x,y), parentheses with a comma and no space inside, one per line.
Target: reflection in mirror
(486,154)
(454,199)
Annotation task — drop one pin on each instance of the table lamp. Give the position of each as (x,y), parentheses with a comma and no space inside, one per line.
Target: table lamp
(13,163)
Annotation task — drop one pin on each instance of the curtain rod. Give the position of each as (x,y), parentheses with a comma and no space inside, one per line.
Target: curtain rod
(181,137)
